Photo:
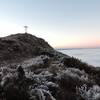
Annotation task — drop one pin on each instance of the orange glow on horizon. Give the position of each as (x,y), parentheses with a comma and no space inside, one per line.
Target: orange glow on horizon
(79,44)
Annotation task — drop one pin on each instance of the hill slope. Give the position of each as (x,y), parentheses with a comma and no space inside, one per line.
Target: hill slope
(46,74)
(22,45)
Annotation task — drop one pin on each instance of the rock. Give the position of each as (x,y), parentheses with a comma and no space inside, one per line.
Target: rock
(21,72)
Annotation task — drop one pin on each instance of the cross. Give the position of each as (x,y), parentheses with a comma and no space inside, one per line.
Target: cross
(25,28)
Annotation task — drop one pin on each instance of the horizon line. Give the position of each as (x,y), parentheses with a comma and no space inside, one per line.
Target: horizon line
(64,48)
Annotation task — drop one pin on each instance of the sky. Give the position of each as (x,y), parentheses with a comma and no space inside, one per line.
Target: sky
(62,23)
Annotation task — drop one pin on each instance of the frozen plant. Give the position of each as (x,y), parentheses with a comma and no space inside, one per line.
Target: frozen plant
(42,94)
(92,93)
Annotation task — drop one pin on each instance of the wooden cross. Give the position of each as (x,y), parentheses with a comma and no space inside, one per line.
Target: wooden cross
(25,28)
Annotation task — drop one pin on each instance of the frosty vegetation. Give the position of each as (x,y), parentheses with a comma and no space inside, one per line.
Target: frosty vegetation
(48,75)
(42,78)
(92,93)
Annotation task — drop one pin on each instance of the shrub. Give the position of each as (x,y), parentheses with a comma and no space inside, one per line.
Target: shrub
(76,63)
(92,93)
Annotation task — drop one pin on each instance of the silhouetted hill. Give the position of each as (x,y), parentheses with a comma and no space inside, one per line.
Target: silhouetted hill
(22,45)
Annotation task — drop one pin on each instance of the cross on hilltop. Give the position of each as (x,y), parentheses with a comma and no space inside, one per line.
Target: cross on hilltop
(25,28)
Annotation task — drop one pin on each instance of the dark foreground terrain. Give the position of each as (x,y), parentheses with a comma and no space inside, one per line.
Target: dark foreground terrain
(30,69)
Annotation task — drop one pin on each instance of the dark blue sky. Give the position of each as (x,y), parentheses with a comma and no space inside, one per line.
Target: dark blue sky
(63,23)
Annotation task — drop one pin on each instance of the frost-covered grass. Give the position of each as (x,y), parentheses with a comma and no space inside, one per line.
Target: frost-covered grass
(44,78)
(92,93)
(39,60)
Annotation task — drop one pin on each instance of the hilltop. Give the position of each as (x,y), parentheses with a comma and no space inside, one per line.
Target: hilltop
(33,70)
(20,46)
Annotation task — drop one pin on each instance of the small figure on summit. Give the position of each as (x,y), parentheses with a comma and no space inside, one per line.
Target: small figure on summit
(25,28)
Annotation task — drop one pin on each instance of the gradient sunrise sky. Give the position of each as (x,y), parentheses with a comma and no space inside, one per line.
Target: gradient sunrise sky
(62,23)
